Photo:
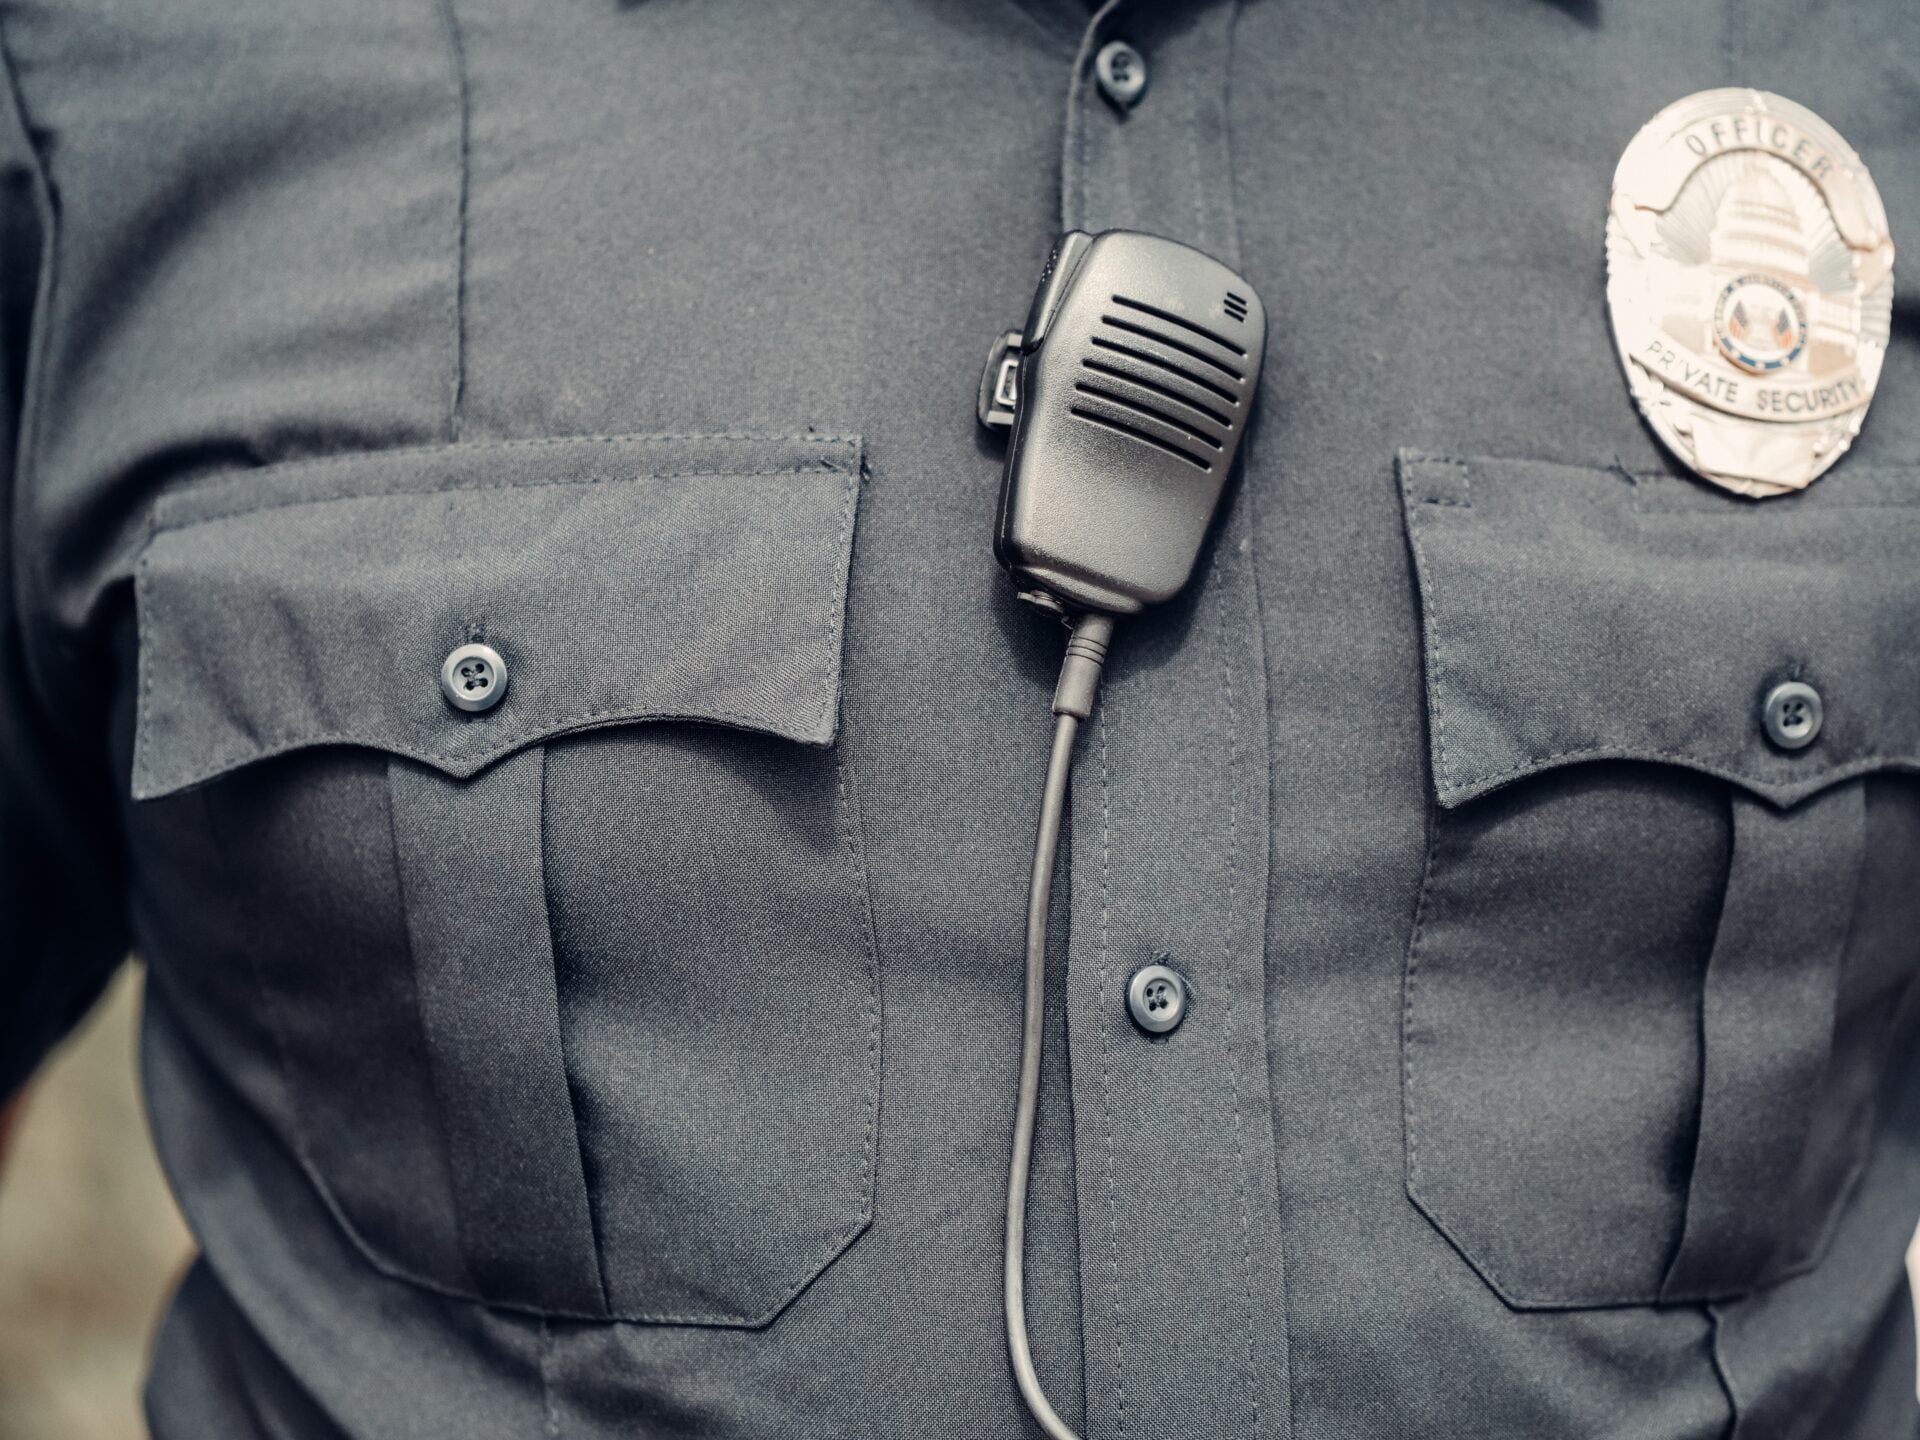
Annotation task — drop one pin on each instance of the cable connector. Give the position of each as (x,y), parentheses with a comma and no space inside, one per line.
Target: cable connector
(1080,671)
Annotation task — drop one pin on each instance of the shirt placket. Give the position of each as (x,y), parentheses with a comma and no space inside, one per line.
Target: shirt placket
(1182,1284)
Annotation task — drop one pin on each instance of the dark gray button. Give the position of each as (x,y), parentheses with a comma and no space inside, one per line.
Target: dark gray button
(1157,999)
(1121,72)
(1791,715)
(474,678)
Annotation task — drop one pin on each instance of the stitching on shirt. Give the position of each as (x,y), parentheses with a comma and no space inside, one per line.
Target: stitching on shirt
(1228,204)
(1231,986)
(1232,231)
(227,758)
(1796,784)
(463,110)
(440,448)
(1106,1089)
(1452,785)
(1758,507)
(1434,651)
(1708,505)
(1408,984)
(725,1320)
(230,759)
(1269,1117)
(1737,511)
(547,442)
(854,827)
(1463,472)
(837,608)
(854,820)
(1195,120)
(1077,117)
(268,506)
(1408,1087)
(1073,150)
(1430,627)
(1073,180)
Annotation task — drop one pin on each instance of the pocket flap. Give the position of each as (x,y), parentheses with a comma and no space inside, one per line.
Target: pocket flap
(1574,613)
(621,578)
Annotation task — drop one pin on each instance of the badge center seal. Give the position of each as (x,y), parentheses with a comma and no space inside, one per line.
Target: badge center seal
(1750,285)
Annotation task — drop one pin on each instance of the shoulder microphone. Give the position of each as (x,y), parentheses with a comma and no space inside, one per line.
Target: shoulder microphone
(1129,390)
(1138,366)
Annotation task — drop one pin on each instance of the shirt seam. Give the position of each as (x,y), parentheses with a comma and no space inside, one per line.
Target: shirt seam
(1232,987)
(1106,1090)
(162,523)
(463,111)
(480,487)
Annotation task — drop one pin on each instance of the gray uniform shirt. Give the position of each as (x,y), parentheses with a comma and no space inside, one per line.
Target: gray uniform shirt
(637,1057)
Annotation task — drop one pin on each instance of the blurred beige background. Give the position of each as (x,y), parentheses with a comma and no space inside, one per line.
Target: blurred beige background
(90,1243)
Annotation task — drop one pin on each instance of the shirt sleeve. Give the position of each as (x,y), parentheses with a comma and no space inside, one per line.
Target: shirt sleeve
(62,931)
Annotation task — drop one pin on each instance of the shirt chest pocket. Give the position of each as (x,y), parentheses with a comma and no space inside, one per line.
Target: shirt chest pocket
(1669,898)
(570,1000)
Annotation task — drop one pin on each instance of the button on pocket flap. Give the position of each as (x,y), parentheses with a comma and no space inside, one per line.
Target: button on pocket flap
(457,603)
(1574,613)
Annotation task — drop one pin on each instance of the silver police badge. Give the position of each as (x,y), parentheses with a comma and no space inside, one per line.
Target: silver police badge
(1750,280)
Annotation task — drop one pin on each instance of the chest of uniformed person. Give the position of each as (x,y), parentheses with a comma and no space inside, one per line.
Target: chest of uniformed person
(1546,942)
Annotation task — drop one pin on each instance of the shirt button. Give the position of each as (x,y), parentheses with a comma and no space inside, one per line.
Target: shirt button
(1791,715)
(474,678)
(1157,999)
(1121,72)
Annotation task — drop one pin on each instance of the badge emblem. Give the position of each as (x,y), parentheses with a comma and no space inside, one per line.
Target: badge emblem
(1750,281)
